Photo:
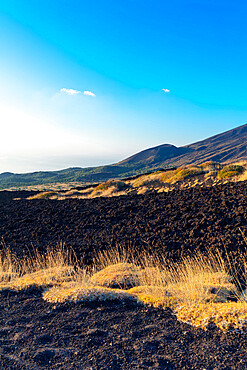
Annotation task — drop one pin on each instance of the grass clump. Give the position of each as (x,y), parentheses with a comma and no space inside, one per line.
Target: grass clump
(115,268)
(40,269)
(43,278)
(229,316)
(85,294)
(181,173)
(43,195)
(230,171)
(120,275)
(114,186)
(201,289)
(155,296)
(9,266)
(200,278)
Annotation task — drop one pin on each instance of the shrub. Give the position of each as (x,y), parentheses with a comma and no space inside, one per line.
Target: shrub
(211,165)
(230,171)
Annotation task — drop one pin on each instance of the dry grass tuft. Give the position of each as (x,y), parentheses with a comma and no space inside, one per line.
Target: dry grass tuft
(44,195)
(109,188)
(41,270)
(229,316)
(200,278)
(112,256)
(199,289)
(153,275)
(155,296)
(9,266)
(42,278)
(85,294)
(120,275)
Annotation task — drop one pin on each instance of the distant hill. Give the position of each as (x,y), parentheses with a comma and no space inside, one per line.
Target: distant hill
(156,155)
(230,146)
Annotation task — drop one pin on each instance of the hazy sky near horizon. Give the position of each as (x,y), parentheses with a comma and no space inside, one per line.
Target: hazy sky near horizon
(90,83)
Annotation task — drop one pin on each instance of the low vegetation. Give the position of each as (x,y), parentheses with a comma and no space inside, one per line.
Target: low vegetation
(230,171)
(181,174)
(207,174)
(202,290)
(109,187)
(44,195)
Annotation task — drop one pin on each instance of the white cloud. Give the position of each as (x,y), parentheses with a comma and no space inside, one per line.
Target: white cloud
(166,90)
(90,93)
(70,91)
(75,92)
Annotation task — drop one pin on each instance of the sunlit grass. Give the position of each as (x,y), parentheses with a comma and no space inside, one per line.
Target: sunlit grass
(84,293)
(40,269)
(201,290)
(229,316)
(205,174)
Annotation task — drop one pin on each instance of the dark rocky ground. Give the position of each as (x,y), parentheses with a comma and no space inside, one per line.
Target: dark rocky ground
(176,223)
(37,335)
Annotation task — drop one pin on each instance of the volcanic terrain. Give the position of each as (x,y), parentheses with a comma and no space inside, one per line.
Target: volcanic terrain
(36,334)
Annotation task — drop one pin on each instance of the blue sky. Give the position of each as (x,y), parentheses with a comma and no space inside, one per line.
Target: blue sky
(89,83)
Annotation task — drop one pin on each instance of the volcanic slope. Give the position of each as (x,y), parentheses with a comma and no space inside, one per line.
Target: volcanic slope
(36,334)
(230,146)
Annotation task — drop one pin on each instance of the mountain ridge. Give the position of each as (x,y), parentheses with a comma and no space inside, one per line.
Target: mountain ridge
(229,146)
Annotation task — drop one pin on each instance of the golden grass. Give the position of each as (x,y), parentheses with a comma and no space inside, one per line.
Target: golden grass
(112,256)
(85,294)
(109,188)
(199,289)
(41,269)
(243,177)
(120,275)
(229,316)
(9,266)
(159,181)
(44,195)
(155,296)
(200,278)
(181,173)
(42,278)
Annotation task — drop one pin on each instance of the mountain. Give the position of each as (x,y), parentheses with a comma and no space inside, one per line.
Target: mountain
(156,155)
(229,146)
